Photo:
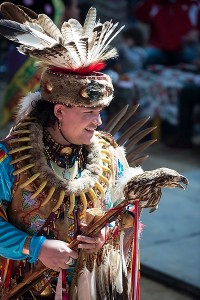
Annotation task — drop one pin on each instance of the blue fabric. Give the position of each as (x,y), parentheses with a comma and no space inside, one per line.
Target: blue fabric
(35,246)
(6,177)
(120,168)
(12,239)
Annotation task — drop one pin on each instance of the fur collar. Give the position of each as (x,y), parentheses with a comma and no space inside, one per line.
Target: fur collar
(88,176)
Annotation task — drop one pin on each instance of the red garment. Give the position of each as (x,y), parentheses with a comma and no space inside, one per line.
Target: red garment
(169,22)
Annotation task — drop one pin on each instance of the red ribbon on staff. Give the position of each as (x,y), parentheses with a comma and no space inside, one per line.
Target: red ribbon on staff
(135,257)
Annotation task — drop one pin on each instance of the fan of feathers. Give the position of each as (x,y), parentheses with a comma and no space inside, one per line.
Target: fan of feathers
(74,47)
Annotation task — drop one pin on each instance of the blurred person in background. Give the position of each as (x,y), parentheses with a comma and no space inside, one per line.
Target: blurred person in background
(174,28)
(132,51)
(189,99)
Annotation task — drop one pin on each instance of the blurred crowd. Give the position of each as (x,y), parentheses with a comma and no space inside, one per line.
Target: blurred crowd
(158,33)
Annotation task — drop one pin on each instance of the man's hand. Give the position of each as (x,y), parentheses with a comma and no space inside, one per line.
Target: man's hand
(92,244)
(55,254)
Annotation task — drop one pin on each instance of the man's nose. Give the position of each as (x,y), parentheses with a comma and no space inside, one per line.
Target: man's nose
(97,121)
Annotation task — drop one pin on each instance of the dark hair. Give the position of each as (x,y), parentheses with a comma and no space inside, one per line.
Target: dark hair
(43,111)
(136,34)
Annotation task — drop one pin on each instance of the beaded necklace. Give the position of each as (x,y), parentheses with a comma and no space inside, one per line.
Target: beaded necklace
(63,156)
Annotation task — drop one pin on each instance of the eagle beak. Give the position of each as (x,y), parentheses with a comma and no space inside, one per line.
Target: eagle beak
(184,181)
(152,209)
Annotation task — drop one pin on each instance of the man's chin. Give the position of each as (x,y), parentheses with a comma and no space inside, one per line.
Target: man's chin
(88,137)
(88,141)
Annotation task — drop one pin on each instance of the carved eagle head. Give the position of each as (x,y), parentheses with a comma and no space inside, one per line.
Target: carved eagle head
(146,187)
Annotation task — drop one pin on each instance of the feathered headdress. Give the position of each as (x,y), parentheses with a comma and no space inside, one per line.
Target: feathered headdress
(73,56)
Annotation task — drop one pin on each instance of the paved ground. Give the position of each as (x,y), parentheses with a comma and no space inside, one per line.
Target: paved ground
(170,242)
(152,290)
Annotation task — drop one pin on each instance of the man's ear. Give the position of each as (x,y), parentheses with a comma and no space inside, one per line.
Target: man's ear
(58,108)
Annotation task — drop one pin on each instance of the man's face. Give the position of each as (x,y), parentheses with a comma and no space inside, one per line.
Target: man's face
(79,124)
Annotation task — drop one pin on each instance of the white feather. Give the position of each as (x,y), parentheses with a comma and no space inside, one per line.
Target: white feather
(76,28)
(81,48)
(55,56)
(97,38)
(93,289)
(118,281)
(25,35)
(43,39)
(100,50)
(89,22)
(110,40)
(74,53)
(34,26)
(102,38)
(49,27)
(122,181)
(103,274)
(25,104)
(66,33)
(114,260)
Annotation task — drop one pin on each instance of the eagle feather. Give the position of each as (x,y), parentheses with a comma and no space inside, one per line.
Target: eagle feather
(89,22)
(74,46)
(49,27)
(25,35)
(14,13)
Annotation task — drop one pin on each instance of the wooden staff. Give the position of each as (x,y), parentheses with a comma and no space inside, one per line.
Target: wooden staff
(33,278)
